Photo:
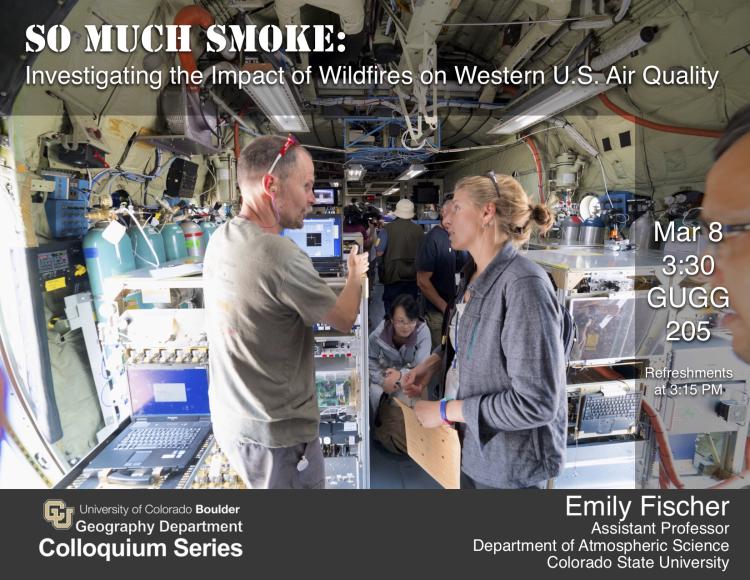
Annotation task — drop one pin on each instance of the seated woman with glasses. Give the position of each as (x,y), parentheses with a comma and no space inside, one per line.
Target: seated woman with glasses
(398,344)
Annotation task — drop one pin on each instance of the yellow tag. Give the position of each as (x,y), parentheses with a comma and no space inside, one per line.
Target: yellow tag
(54,284)
(80,270)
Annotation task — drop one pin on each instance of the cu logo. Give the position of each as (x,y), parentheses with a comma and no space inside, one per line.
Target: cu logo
(57,513)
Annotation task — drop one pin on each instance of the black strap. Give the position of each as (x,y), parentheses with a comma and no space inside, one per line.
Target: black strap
(383,398)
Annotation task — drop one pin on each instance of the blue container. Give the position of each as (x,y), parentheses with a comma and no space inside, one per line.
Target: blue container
(144,256)
(62,186)
(66,217)
(620,201)
(594,222)
(174,242)
(104,259)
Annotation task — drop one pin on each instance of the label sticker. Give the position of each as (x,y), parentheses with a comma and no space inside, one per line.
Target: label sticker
(114,232)
(54,284)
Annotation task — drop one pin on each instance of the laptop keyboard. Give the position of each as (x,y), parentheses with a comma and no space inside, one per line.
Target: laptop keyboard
(158,438)
(600,407)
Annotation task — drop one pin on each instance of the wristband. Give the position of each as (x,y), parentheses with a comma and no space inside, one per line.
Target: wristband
(444,411)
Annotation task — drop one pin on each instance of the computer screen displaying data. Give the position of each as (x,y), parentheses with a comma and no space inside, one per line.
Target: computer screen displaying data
(319,238)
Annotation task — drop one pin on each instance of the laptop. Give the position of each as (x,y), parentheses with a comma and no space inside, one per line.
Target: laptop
(320,238)
(170,420)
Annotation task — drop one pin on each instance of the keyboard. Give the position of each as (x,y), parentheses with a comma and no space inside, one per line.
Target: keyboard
(607,414)
(158,438)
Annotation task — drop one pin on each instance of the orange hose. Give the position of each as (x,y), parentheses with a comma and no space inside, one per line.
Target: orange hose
(665,451)
(667,471)
(192,15)
(663,479)
(658,126)
(538,161)
(609,373)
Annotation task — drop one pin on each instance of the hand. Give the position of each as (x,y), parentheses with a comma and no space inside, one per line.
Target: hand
(357,264)
(418,378)
(412,389)
(428,413)
(389,381)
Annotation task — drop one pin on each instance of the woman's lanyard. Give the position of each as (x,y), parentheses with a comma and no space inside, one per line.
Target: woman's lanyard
(454,364)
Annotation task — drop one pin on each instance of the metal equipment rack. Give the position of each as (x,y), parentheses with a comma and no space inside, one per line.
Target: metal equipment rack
(707,445)
(345,435)
(603,288)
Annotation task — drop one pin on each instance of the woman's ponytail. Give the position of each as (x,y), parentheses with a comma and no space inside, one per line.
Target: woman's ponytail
(542,217)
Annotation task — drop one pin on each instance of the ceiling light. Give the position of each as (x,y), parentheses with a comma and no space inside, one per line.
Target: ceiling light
(355,172)
(547,102)
(393,190)
(277,102)
(413,171)
(335,183)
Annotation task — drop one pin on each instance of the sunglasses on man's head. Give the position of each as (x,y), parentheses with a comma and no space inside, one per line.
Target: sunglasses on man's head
(290,142)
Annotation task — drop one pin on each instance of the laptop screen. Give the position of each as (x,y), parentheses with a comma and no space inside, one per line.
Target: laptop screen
(168,390)
(319,237)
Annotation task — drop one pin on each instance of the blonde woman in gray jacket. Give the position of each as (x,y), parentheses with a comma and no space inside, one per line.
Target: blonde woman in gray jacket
(505,380)
(397,345)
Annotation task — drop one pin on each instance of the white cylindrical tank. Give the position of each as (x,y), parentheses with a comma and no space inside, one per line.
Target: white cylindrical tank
(224,175)
(193,238)
(642,231)
(566,173)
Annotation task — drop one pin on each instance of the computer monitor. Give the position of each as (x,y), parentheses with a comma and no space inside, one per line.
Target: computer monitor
(320,238)
(325,196)
(168,390)
(425,192)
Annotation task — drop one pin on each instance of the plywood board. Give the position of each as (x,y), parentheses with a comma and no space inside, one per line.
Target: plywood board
(437,450)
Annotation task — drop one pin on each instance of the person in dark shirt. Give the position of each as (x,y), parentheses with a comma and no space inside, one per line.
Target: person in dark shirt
(398,244)
(437,265)
(355,222)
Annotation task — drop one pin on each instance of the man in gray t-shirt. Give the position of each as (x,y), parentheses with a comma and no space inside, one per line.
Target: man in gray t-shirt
(262,297)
